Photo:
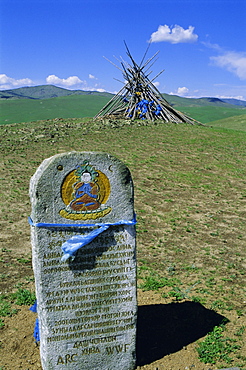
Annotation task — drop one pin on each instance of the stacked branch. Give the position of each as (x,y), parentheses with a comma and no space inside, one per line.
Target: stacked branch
(139,98)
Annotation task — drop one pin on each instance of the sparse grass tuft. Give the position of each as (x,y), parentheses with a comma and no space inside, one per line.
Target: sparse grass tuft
(23,297)
(216,348)
(155,282)
(5,307)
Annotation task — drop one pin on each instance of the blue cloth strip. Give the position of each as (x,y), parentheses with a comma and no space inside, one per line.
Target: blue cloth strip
(36,331)
(50,225)
(76,242)
(33,308)
(36,335)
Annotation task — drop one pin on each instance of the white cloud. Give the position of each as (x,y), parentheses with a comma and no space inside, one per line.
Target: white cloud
(92,77)
(72,82)
(234,62)
(212,46)
(100,90)
(11,83)
(174,35)
(156,84)
(239,97)
(181,91)
(65,82)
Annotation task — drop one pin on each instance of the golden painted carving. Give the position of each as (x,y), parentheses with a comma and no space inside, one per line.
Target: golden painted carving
(85,191)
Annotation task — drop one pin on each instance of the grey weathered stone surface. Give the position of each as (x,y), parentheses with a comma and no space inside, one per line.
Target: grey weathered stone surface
(87,307)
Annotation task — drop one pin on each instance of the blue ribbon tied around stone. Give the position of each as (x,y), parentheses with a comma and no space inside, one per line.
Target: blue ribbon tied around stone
(71,246)
(76,242)
(33,308)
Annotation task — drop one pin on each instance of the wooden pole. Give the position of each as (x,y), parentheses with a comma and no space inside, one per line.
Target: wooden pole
(140,87)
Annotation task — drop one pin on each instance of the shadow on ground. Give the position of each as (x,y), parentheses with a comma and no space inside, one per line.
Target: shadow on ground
(166,328)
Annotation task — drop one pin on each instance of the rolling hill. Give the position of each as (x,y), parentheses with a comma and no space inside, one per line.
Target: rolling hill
(50,91)
(46,102)
(237,123)
(44,92)
(74,106)
(201,102)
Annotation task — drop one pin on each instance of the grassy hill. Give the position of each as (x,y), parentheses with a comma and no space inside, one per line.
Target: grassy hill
(206,114)
(75,106)
(189,185)
(26,110)
(241,103)
(235,123)
(178,101)
(46,102)
(50,91)
(44,92)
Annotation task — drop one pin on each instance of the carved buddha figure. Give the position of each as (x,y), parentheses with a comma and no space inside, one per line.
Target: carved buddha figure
(86,193)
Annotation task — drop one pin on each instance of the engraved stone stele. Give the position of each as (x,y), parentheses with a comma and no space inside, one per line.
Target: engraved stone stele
(87,305)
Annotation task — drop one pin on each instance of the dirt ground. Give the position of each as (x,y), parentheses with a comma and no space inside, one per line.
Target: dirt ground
(167,330)
(19,351)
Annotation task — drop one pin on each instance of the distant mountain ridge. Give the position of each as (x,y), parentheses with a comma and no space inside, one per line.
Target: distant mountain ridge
(51,91)
(241,103)
(44,92)
(176,100)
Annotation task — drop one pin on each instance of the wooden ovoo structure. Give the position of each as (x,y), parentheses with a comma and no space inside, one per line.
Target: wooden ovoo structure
(139,98)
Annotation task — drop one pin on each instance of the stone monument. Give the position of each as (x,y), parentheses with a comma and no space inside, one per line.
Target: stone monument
(84,261)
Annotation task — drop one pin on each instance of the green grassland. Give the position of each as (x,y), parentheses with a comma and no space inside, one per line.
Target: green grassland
(206,114)
(48,102)
(75,106)
(190,200)
(26,110)
(235,123)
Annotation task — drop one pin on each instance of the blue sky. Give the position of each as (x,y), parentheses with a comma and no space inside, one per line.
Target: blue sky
(202,44)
